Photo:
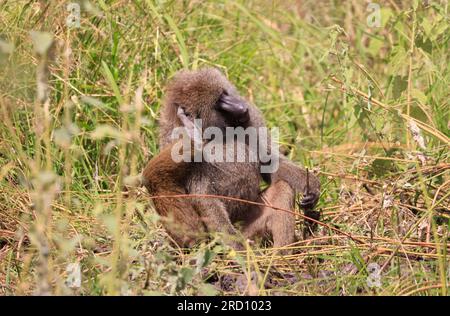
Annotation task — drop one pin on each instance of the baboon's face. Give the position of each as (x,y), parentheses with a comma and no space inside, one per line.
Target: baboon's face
(208,95)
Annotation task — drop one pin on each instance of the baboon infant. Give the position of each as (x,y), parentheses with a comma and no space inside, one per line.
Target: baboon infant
(207,95)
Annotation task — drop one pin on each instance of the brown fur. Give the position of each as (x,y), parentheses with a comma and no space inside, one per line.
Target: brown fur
(197,92)
(187,219)
(162,176)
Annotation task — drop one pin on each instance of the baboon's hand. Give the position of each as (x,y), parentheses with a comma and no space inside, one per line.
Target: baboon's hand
(192,130)
(312,192)
(309,200)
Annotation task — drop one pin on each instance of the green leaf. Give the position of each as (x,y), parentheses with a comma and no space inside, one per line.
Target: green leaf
(398,59)
(185,276)
(375,46)
(208,290)
(419,95)
(112,82)
(204,258)
(426,26)
(418,113)
(424,43)
(386,14)
(381,167)
(400,84)
(180,41)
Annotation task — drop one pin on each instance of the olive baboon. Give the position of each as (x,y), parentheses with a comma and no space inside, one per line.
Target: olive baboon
(190,217)
(207,95)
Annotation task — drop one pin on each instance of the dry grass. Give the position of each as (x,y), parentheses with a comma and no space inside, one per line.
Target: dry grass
(365,108)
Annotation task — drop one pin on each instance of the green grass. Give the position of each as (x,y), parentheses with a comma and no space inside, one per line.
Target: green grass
(342,93)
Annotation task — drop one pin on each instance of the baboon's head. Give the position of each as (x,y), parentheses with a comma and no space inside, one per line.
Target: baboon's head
(206,94)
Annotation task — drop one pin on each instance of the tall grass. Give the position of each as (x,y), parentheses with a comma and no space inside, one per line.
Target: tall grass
(364,106)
